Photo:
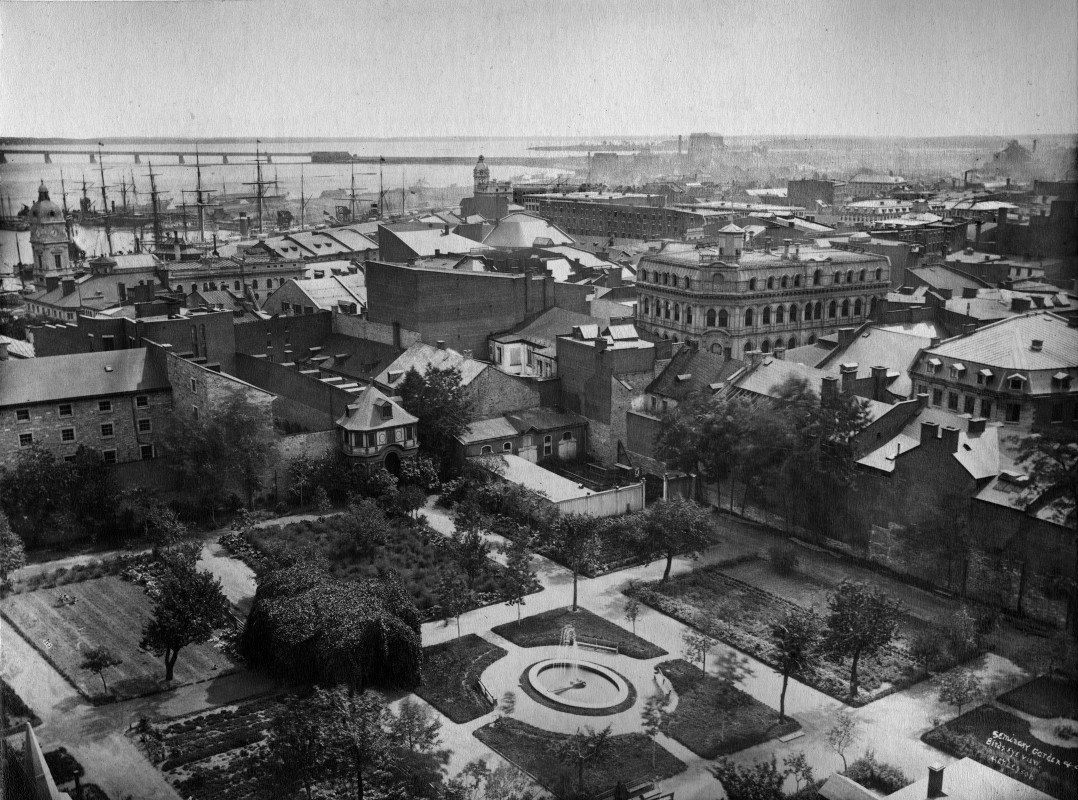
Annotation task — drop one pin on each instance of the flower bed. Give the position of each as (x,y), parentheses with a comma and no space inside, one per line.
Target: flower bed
(545,629)
(741,615)
(1003,741)
(627,758)
(451,674)
(1046,697)
(714,719)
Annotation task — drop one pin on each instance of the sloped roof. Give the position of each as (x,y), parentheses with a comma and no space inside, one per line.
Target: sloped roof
(421,356)
(510,425)
(353,357)
(54,378)
(351,238)
(940,277)
(690,372)
(874,347)
(978,453)
(425,241)
(17,348)
(967,779)
(773,371)
(520,230)
(549,484)
(546,327)
(839,787)
(1006,344)
(365,412)
(327,292)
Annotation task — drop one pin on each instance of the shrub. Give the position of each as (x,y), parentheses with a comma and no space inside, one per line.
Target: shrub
(877,775)
(783,558)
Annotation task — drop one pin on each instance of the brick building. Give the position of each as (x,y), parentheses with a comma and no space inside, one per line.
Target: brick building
(115,403)
(733,302)
(624,216)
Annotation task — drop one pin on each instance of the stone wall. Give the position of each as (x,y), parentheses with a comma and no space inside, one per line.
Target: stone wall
(362,328)
(493,392)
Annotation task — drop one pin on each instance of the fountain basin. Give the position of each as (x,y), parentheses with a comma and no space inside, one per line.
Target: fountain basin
(583,685)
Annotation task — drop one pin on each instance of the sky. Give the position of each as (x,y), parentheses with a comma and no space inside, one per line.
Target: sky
(576,68)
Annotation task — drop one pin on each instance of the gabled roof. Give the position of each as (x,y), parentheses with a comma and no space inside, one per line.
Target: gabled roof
(519,422)
(17,348)
(690,372)
(55,378)
(547,327)
(365,412)
(873,347)
(978,453)
(326,293)
(426,241)
(1007,344)
(421,356)
(351,238)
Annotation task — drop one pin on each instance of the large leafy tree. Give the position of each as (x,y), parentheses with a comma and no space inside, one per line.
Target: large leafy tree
(12,552)
(675,527)
(356,734)
(190,605)
(440,401)
(297,753)
(576,539)
(862,619)
(582,747)
(99,659)
(761,781)
(795,638)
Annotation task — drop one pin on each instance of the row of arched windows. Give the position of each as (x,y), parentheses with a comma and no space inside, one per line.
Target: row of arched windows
(786,281)
(769,315)
(766,344)
(211,286)
(664,278)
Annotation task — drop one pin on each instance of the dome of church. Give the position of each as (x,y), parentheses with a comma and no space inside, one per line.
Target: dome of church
(44,210)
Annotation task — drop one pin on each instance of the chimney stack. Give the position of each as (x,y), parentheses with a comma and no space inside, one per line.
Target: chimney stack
(440,344)
(929,432)
(779,352)
(879,383)
(786,247)
(935,781)
(52,283)
(829,389)
(1037,345)
(849,375)
(845,336)
(922,400)
(976,426)
(950,438)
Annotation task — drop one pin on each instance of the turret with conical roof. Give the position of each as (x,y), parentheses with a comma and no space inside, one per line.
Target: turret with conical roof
(48,238)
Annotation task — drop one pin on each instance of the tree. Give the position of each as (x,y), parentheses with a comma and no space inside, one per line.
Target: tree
(367,526)
(322,505)
(697,646)
(410,499)
(441,403)
(302,471)
(508,704)
(841,735)
(761,781)
(925,649)
(453,596)
(730,669)
(795,638)
(32,491)
(653,719)
(12,551)
(165,529)
(357,739)
(414,736)
(190,605)
(98,660)
(797,765)
(862,620)
(519,575)
(582,747)
(297,747)
(958,688)
(577,543)
(632,612)
(674,527)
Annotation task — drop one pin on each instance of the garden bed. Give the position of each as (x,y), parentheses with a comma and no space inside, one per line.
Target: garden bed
(1047,696)
(110,612)
(1004,741)
(714,719)
(545,629)
(741,615)
(451,675)
(16,712)
(417,553)
(628,757)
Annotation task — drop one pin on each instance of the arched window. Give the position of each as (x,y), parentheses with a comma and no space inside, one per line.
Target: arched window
(752,284)
(658,308)
(765,346)
(236,285)
(793,313)
(507,447)
(817,310)
(709,320)
(666,278)
(849,276)
(879,274)
(780,315)
(748,346)
(666,309)
(862,276)
(748,316)
(487,450)
(254,283)
(647,305)
(674,340)
(808,312)
(724,319)
(688,314)
(785,281)
(665,336)
(812,338)
(205,287)
(643,276)
(677,312)
(857,307)
(687,282)
(817,276)
(194,288)
(567,436)
(836,277)
(792,343)
(846,307)
(771,283)
(797,281)
(832,310)
(766,316)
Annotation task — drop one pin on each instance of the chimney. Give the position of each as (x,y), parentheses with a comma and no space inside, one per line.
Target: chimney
(969,292)
(929,432)
(1036,345)
(176,250)
(935,781)
(845,336)
(69,286)
(1019,304)
(829,389)
(1001,217)
(601,344)
(445,230)
(922,400)
(849,375)
(975,427)
(440,344)
(968,328)
(397,335)
(3,351)
(934,342)
(52,283)
(122,289)
(786,247)
(950,438)
(879,383)
(466,353)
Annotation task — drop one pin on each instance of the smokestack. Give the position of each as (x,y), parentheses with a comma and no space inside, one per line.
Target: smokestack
(935,781)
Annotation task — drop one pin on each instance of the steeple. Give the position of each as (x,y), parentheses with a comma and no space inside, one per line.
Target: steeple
(48,238)
(481,175)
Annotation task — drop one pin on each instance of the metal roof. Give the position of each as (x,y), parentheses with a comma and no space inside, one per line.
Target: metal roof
(54,378)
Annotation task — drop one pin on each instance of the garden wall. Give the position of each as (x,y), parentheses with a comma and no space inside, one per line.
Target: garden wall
(606,504)
(289,448)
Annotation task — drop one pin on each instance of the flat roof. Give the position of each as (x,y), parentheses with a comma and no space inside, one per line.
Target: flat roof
(531,476)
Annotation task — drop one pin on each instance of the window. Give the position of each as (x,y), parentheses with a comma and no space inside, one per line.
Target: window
(142,401)
(879,274)
(793,313)
(792,343)
(797,281)
(65,410)
(26,439)
(58,261)
(952,401)
(766,346)
(387,411)
(548,445)
(836,278)
(145,425)
(107,429)
(857,307)
(643,276)
(770,283)
(849,276)
(194,412)
(146,452)
(937,397)
(104,405)
(70,459)
(817,311)
(832,310)
(1013,412)
(969,404)
(67,434)
(647,305)
(748,316)
(785,281)
(748,346)
(780,315)
(108,456)
(986,409)
(724,319)
(817,276)
(766,316)
(808,311)
(507,447)
(846,308)
(862,276)
(752,284)
(194,385)
(1016,383)
(22,415)
(1057,412)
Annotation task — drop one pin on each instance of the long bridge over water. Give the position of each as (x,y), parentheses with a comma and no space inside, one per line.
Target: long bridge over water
(175,156)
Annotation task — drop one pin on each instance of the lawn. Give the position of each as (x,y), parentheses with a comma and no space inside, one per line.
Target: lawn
(451,674)
(714,719)
(1003,741)
(417,553)
(627,758)
(1047,696)
(546,628)
(110,612)
(741,615)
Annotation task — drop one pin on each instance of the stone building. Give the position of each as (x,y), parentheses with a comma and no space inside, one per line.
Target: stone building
(49,239)
(377,432)
(732,302)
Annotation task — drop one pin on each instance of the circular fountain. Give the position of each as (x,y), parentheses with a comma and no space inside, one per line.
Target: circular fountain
(574,684)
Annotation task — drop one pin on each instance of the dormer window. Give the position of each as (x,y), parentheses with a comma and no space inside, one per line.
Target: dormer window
(984,377)
(387,411)
(1062,380)
(1016,382)
(958,369)
(933,365)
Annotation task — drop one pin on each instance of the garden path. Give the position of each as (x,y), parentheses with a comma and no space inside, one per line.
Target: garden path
(892,726)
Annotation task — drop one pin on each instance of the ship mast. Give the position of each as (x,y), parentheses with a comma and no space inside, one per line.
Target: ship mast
(259,183)
(63,200)
(156,212)
(104,198)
